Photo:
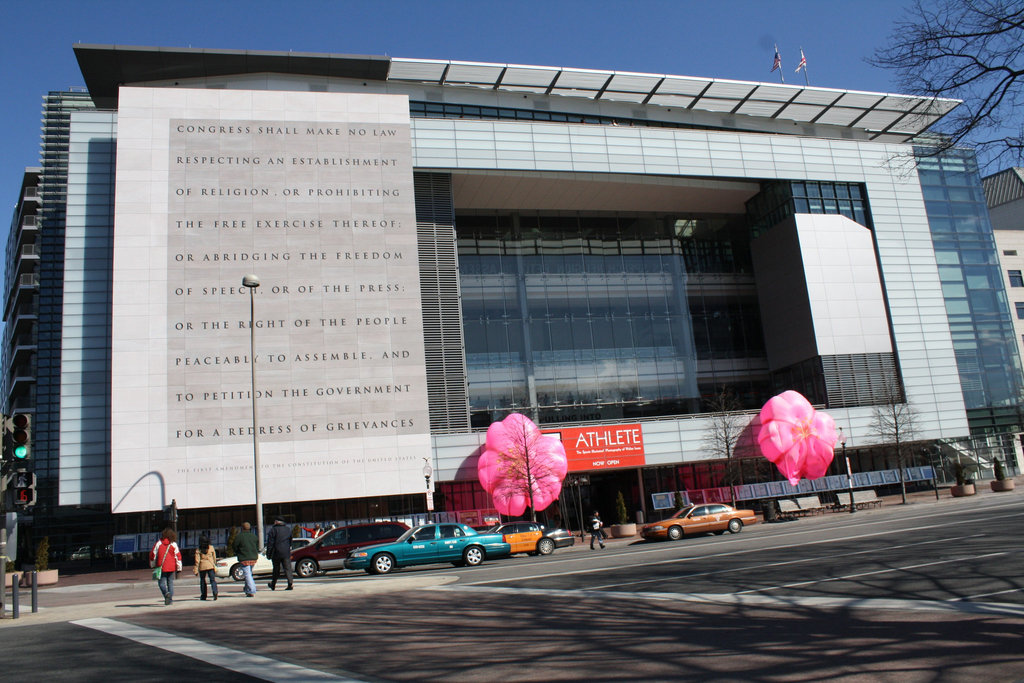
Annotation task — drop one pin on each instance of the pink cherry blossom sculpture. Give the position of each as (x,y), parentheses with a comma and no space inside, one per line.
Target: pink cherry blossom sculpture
(521,467)
(800,441)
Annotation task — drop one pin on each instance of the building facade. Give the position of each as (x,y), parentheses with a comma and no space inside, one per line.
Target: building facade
(1004,192)
(440,244)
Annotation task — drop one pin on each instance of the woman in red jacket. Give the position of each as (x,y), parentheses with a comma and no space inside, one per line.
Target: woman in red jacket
(165,554)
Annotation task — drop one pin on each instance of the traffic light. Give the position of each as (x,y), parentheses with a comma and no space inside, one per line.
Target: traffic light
(24,489)
(18,437)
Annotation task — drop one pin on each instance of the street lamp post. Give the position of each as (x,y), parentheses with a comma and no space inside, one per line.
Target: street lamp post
(252,282)
(929,453)
(427,472)
(849,473)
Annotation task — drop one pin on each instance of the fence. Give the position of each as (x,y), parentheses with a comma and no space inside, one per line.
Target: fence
(783,489)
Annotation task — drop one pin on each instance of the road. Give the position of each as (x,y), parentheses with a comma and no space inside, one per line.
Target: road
(924,592)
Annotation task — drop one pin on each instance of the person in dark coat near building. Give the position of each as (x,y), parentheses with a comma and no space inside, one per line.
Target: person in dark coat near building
(279,550)
(594,525)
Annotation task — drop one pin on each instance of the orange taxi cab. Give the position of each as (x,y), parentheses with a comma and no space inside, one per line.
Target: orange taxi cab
(714,518)
(525,537)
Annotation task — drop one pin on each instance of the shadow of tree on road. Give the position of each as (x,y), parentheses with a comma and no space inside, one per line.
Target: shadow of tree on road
(515,636)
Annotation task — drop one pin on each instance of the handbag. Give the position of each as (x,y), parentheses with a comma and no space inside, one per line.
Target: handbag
(158,571)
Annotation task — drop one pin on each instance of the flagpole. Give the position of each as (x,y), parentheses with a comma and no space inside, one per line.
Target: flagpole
(803,65)
(777,64)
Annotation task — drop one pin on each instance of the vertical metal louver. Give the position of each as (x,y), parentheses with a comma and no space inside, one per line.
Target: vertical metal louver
(860,379)
(447,390)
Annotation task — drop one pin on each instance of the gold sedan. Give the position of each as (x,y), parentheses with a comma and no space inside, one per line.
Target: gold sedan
(699,519)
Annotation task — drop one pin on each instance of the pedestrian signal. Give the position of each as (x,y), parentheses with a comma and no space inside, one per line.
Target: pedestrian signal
(24,489)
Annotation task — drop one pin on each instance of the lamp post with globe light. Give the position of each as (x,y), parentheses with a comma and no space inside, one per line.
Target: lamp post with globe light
(252,282)
(428,471)
(849,474)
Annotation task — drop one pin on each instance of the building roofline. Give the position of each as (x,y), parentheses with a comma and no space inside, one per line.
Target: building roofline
(107,67)
(884,116)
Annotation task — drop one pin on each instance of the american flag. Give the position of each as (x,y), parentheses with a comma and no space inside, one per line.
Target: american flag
(801,65)
(777,64)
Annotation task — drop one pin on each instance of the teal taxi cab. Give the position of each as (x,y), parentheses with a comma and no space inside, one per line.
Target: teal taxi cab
(459,544)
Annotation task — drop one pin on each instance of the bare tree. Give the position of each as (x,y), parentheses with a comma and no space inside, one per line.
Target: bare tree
(895,422)
(971,50)
(725,426)
(526,467)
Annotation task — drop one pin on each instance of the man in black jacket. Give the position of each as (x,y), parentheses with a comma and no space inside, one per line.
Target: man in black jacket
(594,525)
(279,550)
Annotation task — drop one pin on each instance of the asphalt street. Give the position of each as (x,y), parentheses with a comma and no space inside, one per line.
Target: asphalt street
(932,591)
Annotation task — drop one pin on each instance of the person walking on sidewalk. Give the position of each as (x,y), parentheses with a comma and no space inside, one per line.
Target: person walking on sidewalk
(594,525)
(247,548)
(279,550)
(165,554)
(206,567)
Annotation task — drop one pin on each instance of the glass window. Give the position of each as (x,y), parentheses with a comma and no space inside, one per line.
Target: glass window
(1016,278)
(427,533)
(336,537)
(1019,305)
(360,534)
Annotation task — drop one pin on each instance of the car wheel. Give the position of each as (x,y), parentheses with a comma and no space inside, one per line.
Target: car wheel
(675,533)
(306,567)
(735,526)
(383,563)
(545,546)
(473,555)
(237,574)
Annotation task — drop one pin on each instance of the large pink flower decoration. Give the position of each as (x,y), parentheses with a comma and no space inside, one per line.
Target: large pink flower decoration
(800,441)
(521,467)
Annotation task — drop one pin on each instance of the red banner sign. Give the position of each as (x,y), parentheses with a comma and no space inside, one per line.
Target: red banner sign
(602,447)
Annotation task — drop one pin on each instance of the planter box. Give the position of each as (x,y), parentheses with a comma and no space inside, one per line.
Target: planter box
(1004,485)
(622,530)
(961,491)
(46,578)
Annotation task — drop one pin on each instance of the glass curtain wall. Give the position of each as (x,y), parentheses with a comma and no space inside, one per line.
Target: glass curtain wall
(576,318)
(979,315)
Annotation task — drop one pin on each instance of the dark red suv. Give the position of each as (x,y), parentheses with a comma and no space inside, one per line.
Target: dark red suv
(330,550)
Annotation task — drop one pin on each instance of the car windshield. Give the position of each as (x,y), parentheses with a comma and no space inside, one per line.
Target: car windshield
(408,533)
(494,529)
(682,512)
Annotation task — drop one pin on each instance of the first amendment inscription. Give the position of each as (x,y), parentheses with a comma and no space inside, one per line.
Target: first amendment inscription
(313,194)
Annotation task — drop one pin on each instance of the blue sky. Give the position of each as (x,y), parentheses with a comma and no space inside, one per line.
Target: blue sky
(725,39)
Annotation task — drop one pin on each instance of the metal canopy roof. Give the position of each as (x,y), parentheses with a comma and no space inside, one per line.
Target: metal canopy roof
(883,116)
(106,67)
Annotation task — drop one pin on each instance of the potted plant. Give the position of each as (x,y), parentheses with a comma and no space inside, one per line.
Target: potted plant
(44,575)
(964,485)
(1000,483)
(624,528)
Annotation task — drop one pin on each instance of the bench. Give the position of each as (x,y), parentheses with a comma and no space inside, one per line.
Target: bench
(788,508)
(861,499)
(866,497)
(810,505)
